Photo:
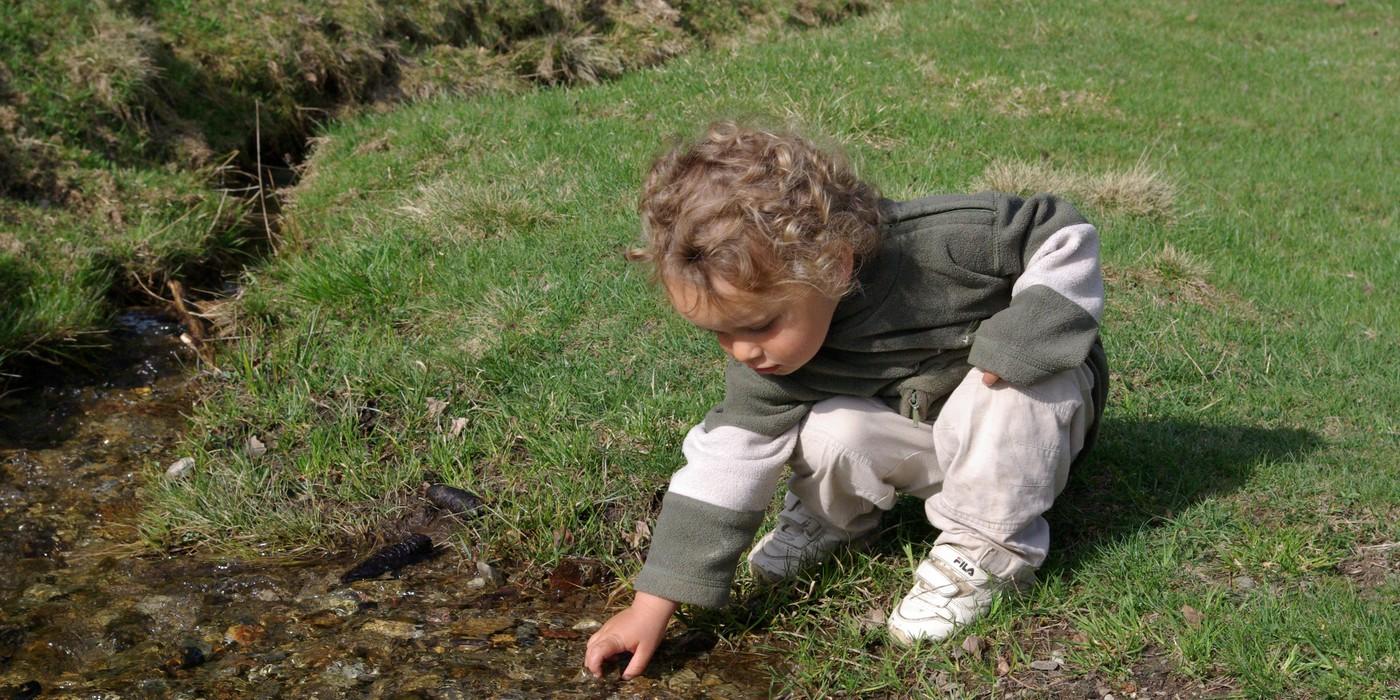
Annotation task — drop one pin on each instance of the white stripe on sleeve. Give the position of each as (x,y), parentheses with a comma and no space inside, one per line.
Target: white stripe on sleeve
(731,467)
(1068,263)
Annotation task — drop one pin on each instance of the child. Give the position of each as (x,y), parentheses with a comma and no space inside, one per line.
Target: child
(945,347)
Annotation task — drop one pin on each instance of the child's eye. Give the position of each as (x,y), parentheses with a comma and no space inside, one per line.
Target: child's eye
(763,326)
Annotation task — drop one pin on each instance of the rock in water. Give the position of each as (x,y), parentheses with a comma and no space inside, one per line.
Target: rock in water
(391,558)
(454,500)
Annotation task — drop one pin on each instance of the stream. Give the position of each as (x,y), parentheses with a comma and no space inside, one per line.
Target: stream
(87,611)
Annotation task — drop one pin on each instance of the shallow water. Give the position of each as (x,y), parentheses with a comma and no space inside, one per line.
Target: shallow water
(86,612)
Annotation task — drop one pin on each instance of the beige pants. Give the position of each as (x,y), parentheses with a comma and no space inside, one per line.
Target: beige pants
(988,468)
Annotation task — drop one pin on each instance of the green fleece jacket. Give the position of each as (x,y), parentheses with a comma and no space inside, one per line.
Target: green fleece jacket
(1009,285)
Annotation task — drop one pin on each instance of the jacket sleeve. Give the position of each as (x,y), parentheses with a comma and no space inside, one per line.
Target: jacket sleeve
(1051,255)
(712,511)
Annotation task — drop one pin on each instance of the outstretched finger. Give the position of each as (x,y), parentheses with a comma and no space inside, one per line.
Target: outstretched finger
(640,658)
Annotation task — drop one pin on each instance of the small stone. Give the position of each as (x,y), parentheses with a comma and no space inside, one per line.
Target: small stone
(527,633)
(266,595)
(179,468)
(1245,583)
(188,658)
(490,573)
(682,680)
(1045,665)
(255,447)
(39,593)
(1109,696)
(477,582)
(393,628)
(343,673)
(587,625)
(974,645)
(1003,667)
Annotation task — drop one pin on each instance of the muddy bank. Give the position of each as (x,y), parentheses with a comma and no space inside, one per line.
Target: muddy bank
(85,609)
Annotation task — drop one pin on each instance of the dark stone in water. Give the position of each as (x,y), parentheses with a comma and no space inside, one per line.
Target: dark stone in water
(188,658)
(28,691)
(412,550)
(454,500)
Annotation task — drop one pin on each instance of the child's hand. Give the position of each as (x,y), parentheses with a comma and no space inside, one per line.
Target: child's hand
(989,379)
(637,629)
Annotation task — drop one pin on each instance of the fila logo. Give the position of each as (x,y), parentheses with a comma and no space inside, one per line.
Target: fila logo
(964,566)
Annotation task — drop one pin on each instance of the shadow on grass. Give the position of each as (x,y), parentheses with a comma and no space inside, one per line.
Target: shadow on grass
(1141,473)
(1144,472)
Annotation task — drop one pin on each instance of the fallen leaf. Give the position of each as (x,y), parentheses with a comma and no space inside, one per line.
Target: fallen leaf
(458,424)
(436,407)
(243,635)
(256,448)
(873,619)
(974,645)
(1003,667)
(1192,615)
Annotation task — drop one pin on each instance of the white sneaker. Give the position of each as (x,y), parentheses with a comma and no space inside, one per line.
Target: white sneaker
(800,539)
(950,590)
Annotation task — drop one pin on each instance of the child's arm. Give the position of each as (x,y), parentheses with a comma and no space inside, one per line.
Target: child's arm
(637,629)
(1051,254)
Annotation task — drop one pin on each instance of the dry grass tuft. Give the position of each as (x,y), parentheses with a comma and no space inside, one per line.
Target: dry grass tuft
(1139,191)
(451,70)
(454,210)
(116,64)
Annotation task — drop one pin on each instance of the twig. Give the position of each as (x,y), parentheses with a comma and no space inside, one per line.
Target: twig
(257,146)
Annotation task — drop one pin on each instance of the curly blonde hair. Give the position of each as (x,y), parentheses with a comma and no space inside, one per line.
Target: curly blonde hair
(759,209)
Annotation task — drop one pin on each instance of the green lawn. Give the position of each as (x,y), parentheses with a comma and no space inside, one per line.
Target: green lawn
(1235,529)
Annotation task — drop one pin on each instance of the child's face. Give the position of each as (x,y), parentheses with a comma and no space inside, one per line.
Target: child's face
(770,335)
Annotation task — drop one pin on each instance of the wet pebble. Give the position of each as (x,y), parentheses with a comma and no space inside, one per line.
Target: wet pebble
(527,633)
(346,673)
(342,603)
(491,574)
(189,657)
(587,625)
(39,593)
(395,629)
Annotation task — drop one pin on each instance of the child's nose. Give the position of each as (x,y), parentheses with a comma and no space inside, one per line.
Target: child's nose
(746,352)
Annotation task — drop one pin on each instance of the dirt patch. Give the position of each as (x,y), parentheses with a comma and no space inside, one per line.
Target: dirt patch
(1372,565)
(1046,642)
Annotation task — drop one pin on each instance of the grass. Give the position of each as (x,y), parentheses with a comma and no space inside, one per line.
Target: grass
(1234,531)
(134,137)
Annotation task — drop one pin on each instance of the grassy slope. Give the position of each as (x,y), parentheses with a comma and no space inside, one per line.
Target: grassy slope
(122,124)
(468,252)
